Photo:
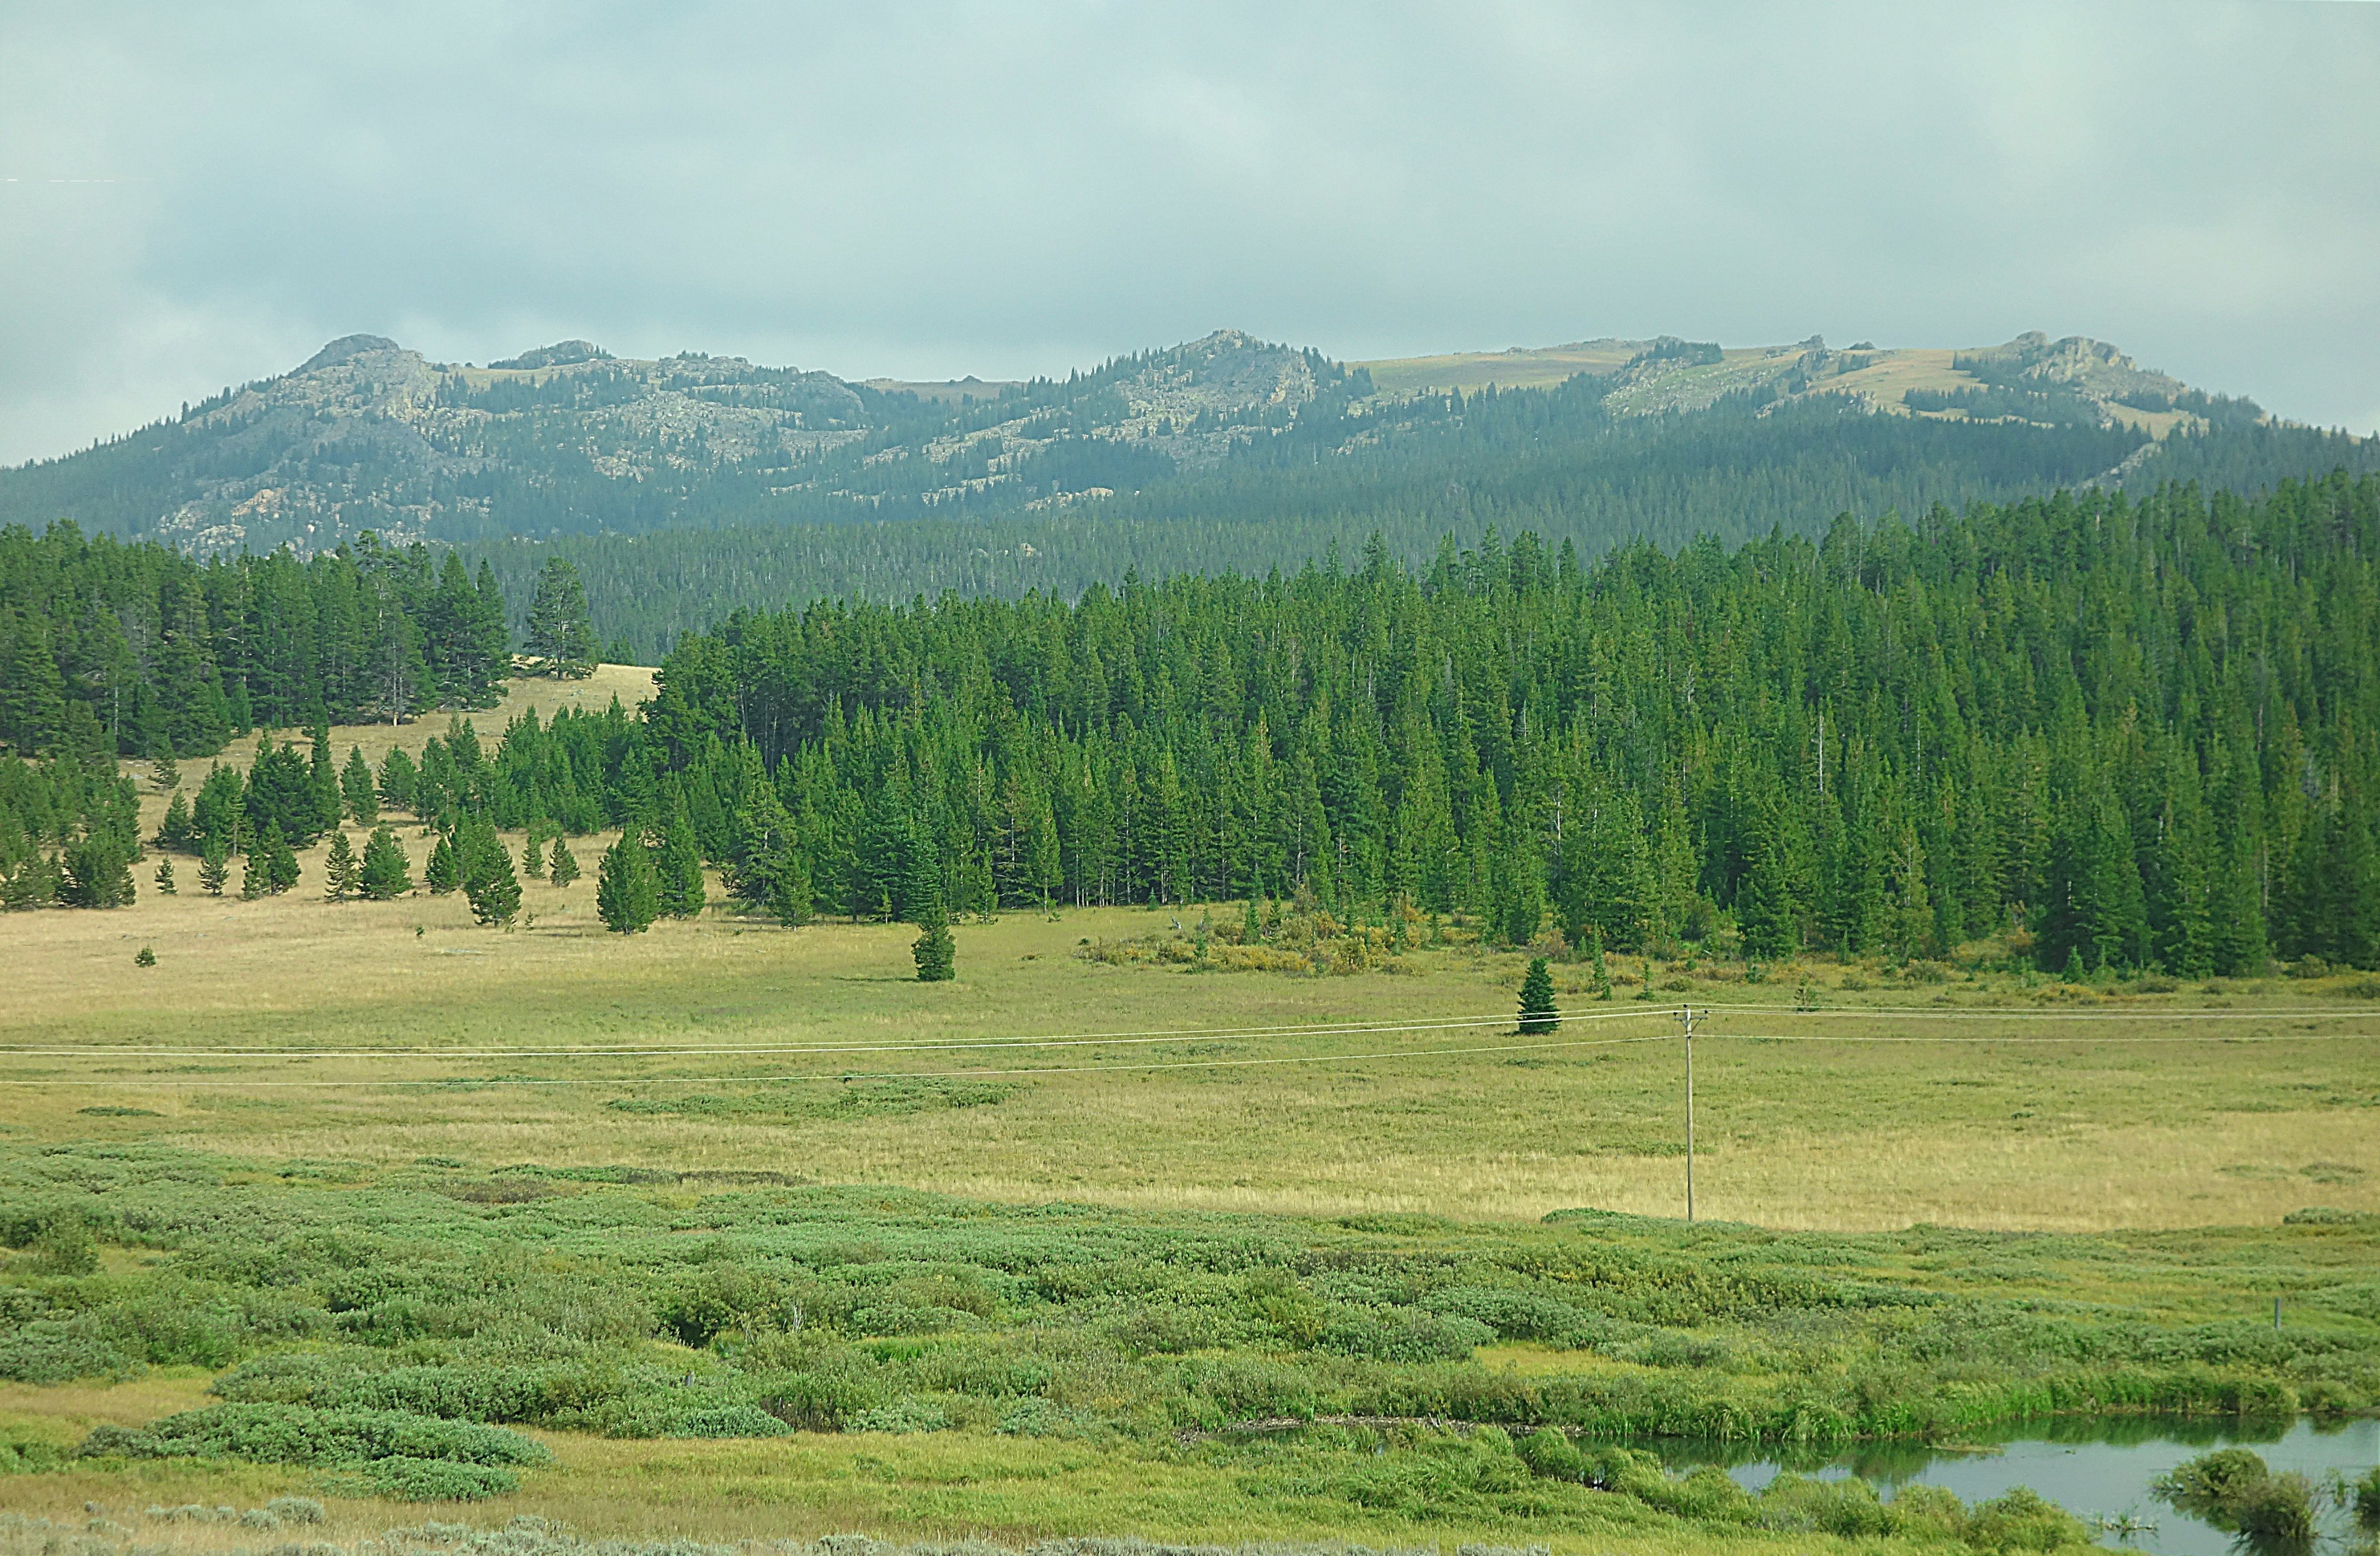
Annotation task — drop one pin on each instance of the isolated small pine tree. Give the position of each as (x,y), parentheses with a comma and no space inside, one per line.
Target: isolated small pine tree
(358,789)
(563,868)
(165,878)
(384,874)
(627,896)
(488,880)
(532,865)
(166,771)
(936,953)
(215,867)
(339,869)
(144,957)
(1539,1012)
(680,868)
(444,872)
(255,875)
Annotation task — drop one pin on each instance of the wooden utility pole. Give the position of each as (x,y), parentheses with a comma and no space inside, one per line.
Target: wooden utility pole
(1687,1016)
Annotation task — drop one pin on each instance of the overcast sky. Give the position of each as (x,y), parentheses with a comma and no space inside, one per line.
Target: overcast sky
(202,195)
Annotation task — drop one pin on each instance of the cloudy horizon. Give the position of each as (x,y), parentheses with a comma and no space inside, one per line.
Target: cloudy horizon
(196,199)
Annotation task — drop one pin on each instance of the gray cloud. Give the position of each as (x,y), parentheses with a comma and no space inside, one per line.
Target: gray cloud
(930,191)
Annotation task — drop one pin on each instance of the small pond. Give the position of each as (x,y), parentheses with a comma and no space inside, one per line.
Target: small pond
(2091,1469)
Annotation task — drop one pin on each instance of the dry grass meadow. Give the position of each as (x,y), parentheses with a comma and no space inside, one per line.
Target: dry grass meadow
(2143,1110)
(342,1039)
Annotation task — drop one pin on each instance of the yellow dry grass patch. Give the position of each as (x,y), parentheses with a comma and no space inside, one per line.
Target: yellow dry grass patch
(2073,1134)
(631,683)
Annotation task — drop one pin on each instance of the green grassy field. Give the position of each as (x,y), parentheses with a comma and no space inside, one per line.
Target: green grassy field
(977,1275)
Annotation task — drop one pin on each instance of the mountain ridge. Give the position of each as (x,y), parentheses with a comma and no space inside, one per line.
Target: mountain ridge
(567,439)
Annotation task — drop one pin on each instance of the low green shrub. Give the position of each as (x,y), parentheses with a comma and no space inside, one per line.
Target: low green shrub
(732,1420)
(407,1479)
(297,1434)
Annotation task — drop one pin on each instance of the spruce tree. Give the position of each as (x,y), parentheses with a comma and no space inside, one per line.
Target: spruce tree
(679,867)
(488,879)
(165,878)
(444,872)
(789,890)
(330,803)
(397,778)
(559,636)
(356,783)
(339,869)
(563,868)
(1538,1011)
(214,867)
(385,873)
(935,952)
(627,896)
(175,832)
(280,861)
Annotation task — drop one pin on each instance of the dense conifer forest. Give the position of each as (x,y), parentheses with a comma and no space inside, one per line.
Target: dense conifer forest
(2123,733)
(1556,462)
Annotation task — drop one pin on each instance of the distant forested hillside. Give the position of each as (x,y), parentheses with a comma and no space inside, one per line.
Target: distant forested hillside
(689,486)
(1552,461)
(2126,733)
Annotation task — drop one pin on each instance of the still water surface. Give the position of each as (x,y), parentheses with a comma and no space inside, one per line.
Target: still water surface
(2090,1469)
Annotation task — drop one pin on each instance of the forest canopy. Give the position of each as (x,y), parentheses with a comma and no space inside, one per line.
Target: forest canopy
(2121,733)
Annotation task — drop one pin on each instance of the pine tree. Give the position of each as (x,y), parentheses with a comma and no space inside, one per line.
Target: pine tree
(627,898)
(280,861)
(255,875)
(164,771)
(1538,1011)
(488,879)
(397,778)
(357,785)
(214,867)
(679,869)
(385,874)
(789,890)
(563,868)
(532,864)
(165,887)
(444,872)
(559,636)
(175,832)
(330,804)
(935,952)
(339,869)
(95,872)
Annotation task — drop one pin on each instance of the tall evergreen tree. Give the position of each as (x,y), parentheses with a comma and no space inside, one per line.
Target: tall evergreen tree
(627,898)
(445,870)
(559,636)
(340,870)
(385,873)
(563,868)
(678,869)
(488,883)
(1540,1013)
(358,789)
